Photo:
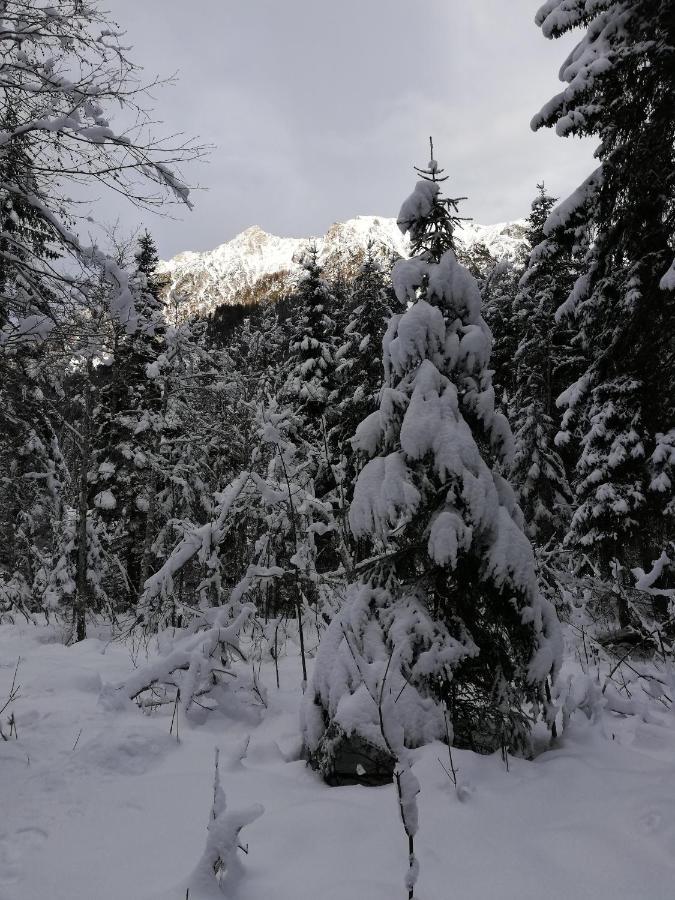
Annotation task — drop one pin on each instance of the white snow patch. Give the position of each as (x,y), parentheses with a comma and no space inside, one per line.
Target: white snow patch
(124,812)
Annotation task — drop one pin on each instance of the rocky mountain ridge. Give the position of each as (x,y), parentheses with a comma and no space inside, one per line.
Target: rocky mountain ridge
(255,265)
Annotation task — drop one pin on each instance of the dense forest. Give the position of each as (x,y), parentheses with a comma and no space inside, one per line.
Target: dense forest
(436,481)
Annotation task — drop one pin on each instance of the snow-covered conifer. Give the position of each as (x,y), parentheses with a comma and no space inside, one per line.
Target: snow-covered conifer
(542,361)
(76,585)
(32,469)
(147,262)
(128,420)
(358,377)
(32,489)
(449,608)
(498,291)
(311,362)
(359,358)
(619,87)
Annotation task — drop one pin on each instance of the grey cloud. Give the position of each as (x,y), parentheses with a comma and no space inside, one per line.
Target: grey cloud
(318,110)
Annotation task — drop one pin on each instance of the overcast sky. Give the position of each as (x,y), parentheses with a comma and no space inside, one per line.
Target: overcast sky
(317,109)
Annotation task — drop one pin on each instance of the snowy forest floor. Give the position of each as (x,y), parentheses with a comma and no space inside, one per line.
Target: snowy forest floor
(104,804)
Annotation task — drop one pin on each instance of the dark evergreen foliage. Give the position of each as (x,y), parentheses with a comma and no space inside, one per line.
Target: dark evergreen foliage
(620,412)
(542,365)
(311,362)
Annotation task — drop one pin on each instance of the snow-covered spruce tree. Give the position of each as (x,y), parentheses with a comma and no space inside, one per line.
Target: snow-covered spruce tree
(359,358)
(76,585)
(31,465)
(311,377)
(33,481)
(128,419)
(620,412)
(543,359)
(311,364)
(106,445)
(164,480)
(449,611)
(358,378)
(498,292)
(22,229)
(147,262)
(479,261)
(300,527)
(497,281)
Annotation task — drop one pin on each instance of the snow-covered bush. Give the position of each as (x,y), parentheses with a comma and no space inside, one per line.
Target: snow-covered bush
(196,670)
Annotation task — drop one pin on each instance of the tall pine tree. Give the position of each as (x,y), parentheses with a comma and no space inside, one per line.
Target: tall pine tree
(449,611)
(127,420)
(542,361)
(621,411)
(311,362)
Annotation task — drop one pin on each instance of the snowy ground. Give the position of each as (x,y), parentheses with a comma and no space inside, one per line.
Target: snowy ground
(103,804)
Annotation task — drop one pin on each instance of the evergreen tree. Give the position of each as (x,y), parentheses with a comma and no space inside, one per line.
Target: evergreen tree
(76,585)
(499,290)
(619,87)
(358,376)
(359,361)
(449,611)
(479,261)
(63,66)
(32,471)
(127,420)
(24,234)
(33,484)
(311,362)
(542,361)
(497,280)
(147,262)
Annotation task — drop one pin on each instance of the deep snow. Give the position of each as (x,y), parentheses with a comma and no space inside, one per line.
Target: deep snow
(102,803)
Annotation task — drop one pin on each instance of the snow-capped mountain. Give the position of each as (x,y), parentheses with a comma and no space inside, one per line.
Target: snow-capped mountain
(256,265)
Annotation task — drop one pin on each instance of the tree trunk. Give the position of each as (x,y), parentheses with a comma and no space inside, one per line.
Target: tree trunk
(146,559)
(81,600)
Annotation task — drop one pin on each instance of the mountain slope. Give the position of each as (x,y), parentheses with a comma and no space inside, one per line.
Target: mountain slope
(256,265)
